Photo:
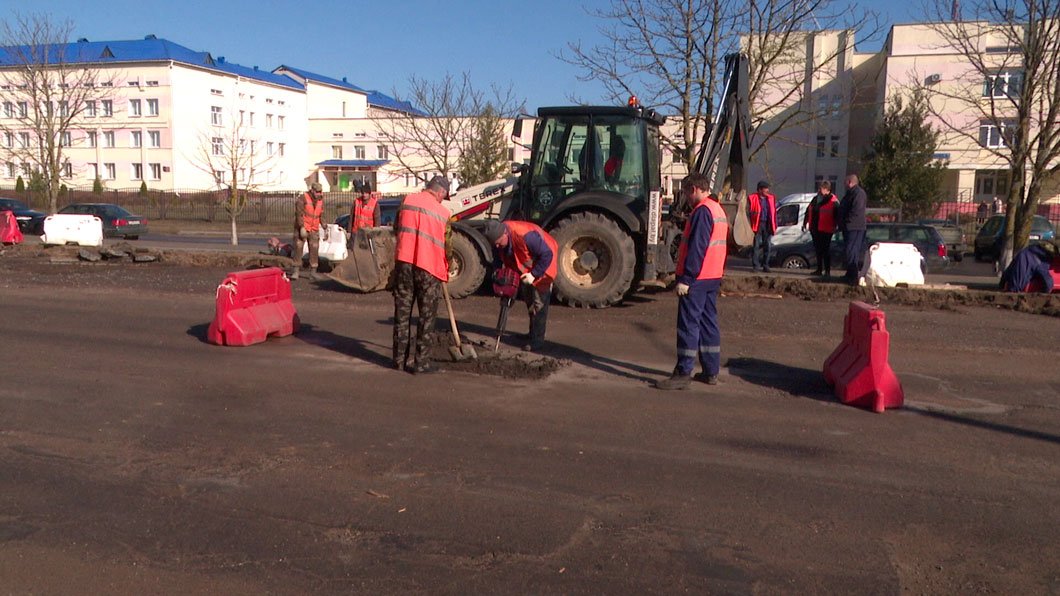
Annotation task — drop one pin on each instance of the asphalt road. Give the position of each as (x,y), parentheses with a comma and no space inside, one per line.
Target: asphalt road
(137,459)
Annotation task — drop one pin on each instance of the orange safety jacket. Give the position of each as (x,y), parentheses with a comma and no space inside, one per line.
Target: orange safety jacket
(714,259)
(364,211)
(313,210)
(754,211)
(521,259)
(421,234)
(825,214)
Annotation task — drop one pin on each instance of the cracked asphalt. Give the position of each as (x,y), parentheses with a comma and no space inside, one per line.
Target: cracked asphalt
(135,458)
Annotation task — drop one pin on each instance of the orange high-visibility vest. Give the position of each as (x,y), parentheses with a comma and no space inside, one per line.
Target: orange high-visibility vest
(421,234)
(825,214)
(313,210)
(754,210)
(714,259)
(523,260)
(364,211)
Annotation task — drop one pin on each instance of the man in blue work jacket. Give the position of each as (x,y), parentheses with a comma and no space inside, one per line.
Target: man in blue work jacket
(700,265)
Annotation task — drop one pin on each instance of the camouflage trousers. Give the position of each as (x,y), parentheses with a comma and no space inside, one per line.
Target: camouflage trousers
(412,284)
(314,250)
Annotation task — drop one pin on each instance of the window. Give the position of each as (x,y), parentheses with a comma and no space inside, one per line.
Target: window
(218,146)
(90,138)
(133,83)
(26,168)
(9,110)
(242,117)
(268,100)
(251,121)
(93,169)
(152,107)
(23,109)
(90,109)
(1006,83)
(134,107)
(11,170)
(269,148)
(108,108)
(218,176)
(216,92)
(109,171)
(215,115)
(152,84)
(64,108)
(788,215)
(336,152)
(68,170)
(136,139)
(65,139)
(23,139)
(268,120)
(358,151)
(108,138)
(137,171)
(9,139)
(280,148)
(156,171)
(381,152)
(279,122)
(835,147)
(993,136)
(820,145)
(154,138)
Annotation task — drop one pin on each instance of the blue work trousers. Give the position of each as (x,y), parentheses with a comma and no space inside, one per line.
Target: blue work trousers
(697,328)
(763,243)
(853,251)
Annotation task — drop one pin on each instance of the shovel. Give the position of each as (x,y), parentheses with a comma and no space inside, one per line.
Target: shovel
(502,320)
(458,351)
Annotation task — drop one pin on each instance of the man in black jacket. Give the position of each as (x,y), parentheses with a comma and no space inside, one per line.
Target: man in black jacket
(852,224)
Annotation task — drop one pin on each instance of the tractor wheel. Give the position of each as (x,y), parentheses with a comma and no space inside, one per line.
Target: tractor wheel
(466,270)
(597,260)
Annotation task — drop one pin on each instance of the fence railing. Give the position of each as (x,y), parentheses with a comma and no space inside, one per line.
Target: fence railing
(192,205)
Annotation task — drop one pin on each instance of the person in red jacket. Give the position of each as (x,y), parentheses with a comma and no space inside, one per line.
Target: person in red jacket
(762,211)
(820,220)
(700,266)
(530,250)
(420,268)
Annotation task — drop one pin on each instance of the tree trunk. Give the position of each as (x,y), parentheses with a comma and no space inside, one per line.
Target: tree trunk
(235,236)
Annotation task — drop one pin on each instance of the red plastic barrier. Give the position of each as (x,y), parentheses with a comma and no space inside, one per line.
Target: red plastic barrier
(1054,271)
(858,368)
(9,232)
(252,305)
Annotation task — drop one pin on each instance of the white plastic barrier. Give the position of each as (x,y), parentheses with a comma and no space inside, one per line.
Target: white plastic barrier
(82,230)
(890,263)
(333,247)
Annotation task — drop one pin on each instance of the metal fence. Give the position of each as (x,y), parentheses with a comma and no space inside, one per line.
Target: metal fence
(193,205)
(964,212)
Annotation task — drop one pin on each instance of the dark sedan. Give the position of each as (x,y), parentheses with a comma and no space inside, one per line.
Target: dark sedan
(23,214)
(990,237)
(926,239)
(117,222)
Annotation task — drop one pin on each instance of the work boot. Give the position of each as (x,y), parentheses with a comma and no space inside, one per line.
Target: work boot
(425,369)
(703,377)
(534,346)
(676,381)
(293,274)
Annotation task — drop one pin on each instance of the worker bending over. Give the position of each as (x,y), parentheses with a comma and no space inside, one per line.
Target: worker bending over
(530,250)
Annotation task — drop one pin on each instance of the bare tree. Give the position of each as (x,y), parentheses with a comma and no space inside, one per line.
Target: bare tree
(453,120)
(233,155)
(669,54)
(1007,100)
(46,86)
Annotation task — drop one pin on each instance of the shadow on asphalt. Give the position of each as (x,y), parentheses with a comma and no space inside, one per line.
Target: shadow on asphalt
(346,346)
(1002,428)
(800,382)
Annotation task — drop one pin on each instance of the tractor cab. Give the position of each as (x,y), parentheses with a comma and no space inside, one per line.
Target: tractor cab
(599,154)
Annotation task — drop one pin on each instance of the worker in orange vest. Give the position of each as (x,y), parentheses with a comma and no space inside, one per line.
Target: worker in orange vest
(820,220)
(307,214)
(364,212)
(530,250)
(762,211)
(420,269)
(700,265)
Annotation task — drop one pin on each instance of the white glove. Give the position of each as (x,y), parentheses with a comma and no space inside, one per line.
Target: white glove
(682,289)
(528,278)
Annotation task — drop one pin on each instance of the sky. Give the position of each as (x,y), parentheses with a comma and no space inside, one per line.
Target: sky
(376,45)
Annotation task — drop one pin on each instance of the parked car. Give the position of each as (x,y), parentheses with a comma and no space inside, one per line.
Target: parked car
(926,239)
(117,222)
(989,239)
(23,214)
(956,244)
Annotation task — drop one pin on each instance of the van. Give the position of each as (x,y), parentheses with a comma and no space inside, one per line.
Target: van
(791,210)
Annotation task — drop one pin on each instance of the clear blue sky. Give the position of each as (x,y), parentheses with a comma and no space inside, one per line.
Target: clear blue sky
(376,45)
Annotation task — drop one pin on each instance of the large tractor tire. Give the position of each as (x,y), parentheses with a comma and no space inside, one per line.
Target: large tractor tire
(466,269)
(597,261)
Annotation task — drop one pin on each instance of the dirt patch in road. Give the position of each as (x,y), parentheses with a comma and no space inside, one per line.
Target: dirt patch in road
(504,363)
(941,298)
(126,253)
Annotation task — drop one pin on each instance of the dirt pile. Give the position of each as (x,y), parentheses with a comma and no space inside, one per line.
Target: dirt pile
(503,363)
(944,299)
